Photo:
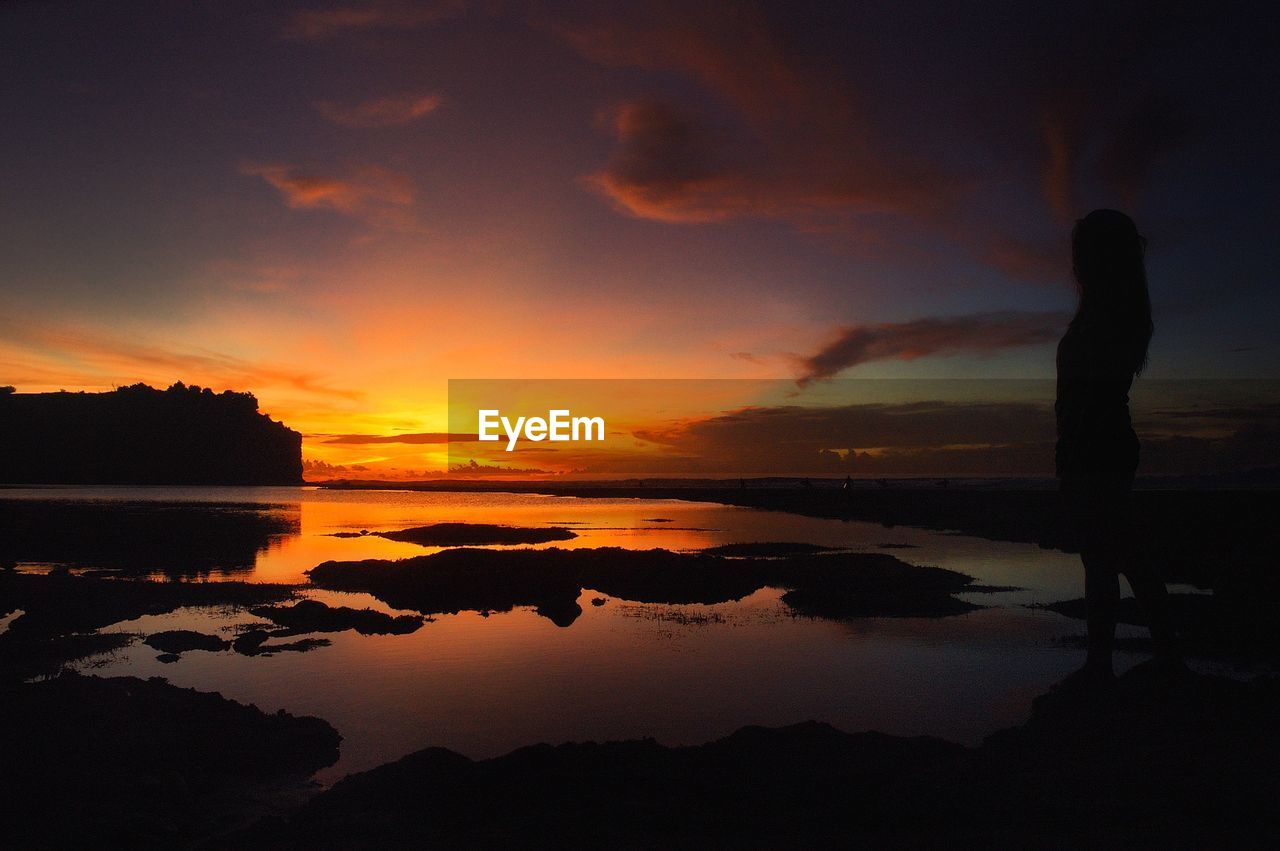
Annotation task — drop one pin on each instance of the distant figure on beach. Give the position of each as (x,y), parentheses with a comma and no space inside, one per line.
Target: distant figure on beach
(847,487)
(1103,349)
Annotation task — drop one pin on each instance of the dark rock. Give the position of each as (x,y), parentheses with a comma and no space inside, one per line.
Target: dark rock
(314,616)
(302,645)
(824,584)
(765,550)
(64,604)
(477,534)
(181,640)
(248,643)
(253,642)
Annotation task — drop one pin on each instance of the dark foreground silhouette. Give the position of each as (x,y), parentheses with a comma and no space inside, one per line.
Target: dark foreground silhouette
(143,436)
(1154,763)
(1096,455)
(125,762)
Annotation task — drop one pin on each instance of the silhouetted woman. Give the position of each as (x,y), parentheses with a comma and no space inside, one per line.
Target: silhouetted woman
(1104,348)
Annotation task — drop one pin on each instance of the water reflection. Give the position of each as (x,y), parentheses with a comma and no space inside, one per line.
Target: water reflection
(296,527)
(485,683)
(178,539)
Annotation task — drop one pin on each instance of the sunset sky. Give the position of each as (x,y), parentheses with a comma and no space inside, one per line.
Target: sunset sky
(339,207)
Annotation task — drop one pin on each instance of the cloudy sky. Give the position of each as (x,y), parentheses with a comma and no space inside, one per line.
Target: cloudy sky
(341,206)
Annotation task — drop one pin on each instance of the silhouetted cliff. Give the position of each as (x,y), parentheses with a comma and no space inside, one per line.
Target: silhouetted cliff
(140,435)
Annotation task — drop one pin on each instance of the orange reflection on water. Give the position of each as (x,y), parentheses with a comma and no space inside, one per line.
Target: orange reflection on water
(634,524)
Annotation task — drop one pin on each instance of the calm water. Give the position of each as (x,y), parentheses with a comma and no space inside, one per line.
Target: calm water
(483,685)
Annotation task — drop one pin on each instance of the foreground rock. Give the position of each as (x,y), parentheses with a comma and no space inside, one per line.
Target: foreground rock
(127,762)
(1193,764)
(478,534)
(834,585)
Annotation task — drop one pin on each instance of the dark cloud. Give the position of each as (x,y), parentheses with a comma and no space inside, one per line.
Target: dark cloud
(998,438)
(472,468)
(748,357)
(922,438)
(792,142)
(829,116)
(668,165)
(324,468)
(1154,126)
(428,437)
(982,333)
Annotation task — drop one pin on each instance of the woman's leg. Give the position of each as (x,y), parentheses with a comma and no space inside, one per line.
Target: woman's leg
(1102,599)
(1153,598)
(1148,587)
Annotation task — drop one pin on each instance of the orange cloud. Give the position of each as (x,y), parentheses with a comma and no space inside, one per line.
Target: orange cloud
(372,193)
(85,357)
(983,333)
(417,438)
(317,24)
(389,111)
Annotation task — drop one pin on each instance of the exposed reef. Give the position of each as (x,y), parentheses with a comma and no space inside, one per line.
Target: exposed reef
(60,613)
(60,603)
(1212,538)
(176,641)
(313,616)
(830,585)
(478,534)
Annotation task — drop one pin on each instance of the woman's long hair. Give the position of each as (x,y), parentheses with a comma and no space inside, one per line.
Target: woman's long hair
(1107,259)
